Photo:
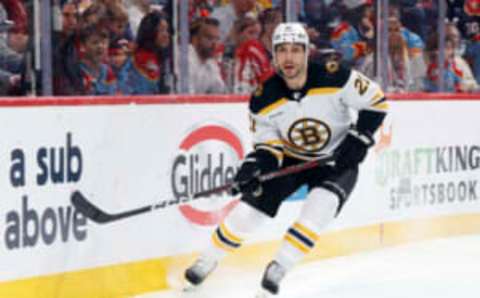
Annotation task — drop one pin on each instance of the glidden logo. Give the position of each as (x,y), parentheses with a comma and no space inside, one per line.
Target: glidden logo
(208,158)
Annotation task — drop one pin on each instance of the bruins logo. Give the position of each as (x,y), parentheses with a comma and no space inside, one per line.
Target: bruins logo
(332,66)
(310,135)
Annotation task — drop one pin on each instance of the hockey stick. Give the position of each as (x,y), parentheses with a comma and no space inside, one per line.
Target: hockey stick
(87,208)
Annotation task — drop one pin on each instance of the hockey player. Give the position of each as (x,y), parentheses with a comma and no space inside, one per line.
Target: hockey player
(301,113)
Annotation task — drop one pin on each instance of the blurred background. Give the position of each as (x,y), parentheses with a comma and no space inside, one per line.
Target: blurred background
(128,47)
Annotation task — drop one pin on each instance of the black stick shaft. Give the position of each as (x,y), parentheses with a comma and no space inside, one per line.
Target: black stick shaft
(91,211)
(277,174)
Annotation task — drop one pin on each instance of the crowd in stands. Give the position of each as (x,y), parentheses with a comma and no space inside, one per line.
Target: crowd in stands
(123,47)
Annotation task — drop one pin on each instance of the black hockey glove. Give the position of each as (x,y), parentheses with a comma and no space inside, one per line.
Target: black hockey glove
(247,179)
(353,149)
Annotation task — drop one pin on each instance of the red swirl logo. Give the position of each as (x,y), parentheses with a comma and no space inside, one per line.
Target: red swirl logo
(208,158)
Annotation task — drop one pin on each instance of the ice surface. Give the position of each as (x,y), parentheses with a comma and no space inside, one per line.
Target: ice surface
(441,268)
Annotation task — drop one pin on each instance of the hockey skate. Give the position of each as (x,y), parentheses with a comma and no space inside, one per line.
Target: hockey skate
(274,273)
(198,272)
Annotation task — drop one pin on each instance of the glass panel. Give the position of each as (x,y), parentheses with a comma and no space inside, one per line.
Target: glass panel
(230,44)
(342,30)
(96,47)
(436,38)
(109,47)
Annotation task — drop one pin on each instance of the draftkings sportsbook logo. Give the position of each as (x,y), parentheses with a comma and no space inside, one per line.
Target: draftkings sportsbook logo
(418,177)
(208,157)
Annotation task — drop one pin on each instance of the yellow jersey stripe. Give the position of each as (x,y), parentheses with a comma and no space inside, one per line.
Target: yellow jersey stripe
(273,106)
(273,142)
(291,146)
(381,106)
(378,96)
(277,153)
(271,148)
(267,147)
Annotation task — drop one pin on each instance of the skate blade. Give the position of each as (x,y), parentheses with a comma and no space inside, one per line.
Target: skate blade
(262,293)
(189,288)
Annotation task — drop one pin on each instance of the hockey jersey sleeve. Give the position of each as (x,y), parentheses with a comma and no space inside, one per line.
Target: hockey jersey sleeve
(266,136)
(365,96)
(361,93)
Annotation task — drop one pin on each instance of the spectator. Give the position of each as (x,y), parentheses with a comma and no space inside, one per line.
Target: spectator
(116,21)
(354,36)
(253,54)
(452,76)
(269,19)
(18,35)
(320,19)
(471,25)
(205,76)
(121,64)
(229,13)
(89,75)
(418,16)
(399,70)
(70,25)
(93,15)
(11,61)
(69,19)
(97,77)
(18,40)
(414,67)
(252,61)
(16,12)
(405,65)
(150,59)
(469,83)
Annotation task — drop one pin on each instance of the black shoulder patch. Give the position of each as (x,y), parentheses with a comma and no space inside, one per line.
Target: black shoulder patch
(329,74)
(272,90)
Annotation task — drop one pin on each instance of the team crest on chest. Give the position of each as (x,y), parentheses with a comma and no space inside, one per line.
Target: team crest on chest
(309,134)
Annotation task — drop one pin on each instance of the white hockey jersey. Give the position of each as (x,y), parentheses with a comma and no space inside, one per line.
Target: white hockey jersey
(311,122)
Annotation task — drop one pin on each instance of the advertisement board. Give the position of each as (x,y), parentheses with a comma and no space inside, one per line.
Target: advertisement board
(423,168)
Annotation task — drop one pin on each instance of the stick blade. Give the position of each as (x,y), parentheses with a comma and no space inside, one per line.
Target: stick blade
(88,209)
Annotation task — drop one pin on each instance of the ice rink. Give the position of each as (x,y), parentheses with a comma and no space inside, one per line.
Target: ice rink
(441,268)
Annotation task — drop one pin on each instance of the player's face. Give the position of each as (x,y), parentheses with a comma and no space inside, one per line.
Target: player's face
(290,59)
